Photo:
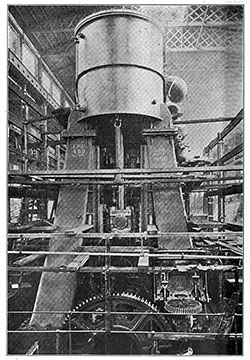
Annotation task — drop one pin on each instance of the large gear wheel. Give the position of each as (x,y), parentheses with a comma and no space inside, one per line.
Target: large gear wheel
(183,306)
(128,320)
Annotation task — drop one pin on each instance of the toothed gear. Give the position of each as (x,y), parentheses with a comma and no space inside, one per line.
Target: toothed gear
(128,305)
(183,306)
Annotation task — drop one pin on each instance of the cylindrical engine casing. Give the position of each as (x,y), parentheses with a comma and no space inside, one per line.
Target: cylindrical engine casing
(119,64)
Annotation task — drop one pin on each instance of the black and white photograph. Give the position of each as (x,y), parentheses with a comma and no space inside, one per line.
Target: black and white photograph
(125,141)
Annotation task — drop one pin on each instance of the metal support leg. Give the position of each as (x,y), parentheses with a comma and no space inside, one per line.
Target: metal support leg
(107,298)
(25,135)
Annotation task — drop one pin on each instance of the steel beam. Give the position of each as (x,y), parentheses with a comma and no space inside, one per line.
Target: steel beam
(112,236)
(202,121)
(166,256)
(136,181)
(124,270)
(110,172)
(226,131)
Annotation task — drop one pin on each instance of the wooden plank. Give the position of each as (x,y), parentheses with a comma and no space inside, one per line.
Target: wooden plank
(143,260)
(46,229)
(42,118)
(227,190)
(209,224)
(28,259)
(79,230)
(78,262)
(233,227)
(15,120)
(33,349)
(234,249)
(32,227)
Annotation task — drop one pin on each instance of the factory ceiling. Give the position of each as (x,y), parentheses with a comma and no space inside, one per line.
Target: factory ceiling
(187,28)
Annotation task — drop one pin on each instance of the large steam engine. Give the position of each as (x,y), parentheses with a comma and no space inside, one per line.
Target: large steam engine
(123,274)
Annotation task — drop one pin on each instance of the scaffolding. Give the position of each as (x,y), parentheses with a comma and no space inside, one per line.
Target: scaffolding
(221,246)
(216,241)
(37,150)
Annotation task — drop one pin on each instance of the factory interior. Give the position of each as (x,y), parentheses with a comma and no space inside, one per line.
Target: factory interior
(125,179)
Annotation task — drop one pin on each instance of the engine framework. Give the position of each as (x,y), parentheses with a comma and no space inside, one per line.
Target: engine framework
(120,272)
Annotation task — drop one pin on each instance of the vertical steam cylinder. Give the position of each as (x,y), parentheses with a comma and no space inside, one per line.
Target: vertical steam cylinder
(119,64)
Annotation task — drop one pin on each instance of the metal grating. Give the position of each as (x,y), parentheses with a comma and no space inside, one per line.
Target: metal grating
(202,38)
(214,14)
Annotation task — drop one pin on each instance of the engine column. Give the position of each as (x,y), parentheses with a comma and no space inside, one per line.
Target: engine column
(56,290)
(168,204)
